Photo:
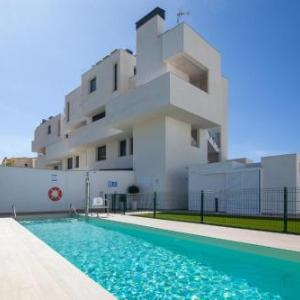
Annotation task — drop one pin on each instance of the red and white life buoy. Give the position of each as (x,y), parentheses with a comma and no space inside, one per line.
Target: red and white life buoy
(55,193)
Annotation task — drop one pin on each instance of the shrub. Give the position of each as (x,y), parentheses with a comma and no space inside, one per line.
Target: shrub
(133,189)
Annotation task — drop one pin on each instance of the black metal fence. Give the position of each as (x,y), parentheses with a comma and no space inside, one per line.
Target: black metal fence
(274,209)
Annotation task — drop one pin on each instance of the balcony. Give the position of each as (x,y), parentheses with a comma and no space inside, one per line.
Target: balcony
(165,95)
(82,137)
(92,104)
(183,40)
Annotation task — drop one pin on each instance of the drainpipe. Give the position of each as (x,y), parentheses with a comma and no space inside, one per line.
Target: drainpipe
(87,194)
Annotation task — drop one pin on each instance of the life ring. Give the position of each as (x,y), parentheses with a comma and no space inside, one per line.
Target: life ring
(55,193)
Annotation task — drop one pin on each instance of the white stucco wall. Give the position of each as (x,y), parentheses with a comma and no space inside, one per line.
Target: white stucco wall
(149,154)
(276,172)
(41,136)
(236,187)
(149,50)
(113,160)
(281,171)
(28,189)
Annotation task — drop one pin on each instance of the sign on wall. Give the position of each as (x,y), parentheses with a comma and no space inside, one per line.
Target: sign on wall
(53,177)
(112,184)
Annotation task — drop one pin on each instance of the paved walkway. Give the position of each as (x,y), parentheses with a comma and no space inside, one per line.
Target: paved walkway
(29,269)
(262,238)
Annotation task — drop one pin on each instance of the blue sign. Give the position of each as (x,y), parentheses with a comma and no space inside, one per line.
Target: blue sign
(112,184)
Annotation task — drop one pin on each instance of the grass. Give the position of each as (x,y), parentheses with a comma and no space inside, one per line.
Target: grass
(257,223)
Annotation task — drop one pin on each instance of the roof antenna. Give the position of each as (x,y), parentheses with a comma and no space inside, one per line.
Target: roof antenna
(181,14)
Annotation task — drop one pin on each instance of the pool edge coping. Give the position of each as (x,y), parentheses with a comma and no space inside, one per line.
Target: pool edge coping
(91,288)
(253,237)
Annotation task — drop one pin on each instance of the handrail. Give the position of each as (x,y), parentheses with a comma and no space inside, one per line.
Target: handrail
(14,214)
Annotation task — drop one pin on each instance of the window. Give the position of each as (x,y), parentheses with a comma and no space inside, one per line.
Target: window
(131,146)
(68,111)
(98,116)
(115,77)
(93,84)
(101,153)
(66,135)
(194,137)
(49,129)
(134,70)
(122,148)
(70,163)
(76,161)
(200,80)
(58,128)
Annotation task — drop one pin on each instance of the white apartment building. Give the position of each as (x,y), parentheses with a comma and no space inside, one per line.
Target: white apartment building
(156,111)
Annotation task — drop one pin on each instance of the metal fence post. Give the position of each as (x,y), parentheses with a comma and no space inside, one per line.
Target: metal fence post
(87,194)
(124,203)
(216,204)
(114,204)
(285,209)
(154,205)
(202,206)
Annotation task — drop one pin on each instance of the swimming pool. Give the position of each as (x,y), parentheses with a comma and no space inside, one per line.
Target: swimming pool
(135,262)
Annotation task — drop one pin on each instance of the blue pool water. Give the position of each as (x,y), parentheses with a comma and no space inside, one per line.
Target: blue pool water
(134,262)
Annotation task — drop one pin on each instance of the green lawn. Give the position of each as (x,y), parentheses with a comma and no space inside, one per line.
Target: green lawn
(269,224)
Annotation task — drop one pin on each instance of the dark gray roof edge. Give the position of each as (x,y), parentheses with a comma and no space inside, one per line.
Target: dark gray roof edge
(156,11)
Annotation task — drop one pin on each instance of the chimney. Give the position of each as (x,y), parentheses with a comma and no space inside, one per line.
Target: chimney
(148,45)
(155,12)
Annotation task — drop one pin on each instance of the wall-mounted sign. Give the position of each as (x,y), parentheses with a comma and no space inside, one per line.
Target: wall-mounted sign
(112,184)
(53,177)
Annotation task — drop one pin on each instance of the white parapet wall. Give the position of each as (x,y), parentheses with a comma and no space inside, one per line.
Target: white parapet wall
(27,189)
(247,188)
(236,187)
(281,171)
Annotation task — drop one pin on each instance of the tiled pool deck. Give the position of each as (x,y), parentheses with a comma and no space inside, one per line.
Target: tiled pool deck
(32,270)
(262,238)
(29,269)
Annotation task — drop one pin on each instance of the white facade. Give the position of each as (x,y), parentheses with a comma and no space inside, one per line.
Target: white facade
(158,111)
(245,187)
(27,189)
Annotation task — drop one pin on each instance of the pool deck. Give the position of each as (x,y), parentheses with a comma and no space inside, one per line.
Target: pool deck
(262,238)
(29,269)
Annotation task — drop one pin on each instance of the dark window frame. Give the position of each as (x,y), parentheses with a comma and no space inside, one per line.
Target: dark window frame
(77,161)
(68,111)
(70,163)
(131,146)
(93,85)
(49,129)
(58,127)
(115,77)
(100,156)
(98,116)
(122,148)
(195,139)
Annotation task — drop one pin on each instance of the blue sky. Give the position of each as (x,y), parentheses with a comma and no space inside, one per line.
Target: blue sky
(46,45)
